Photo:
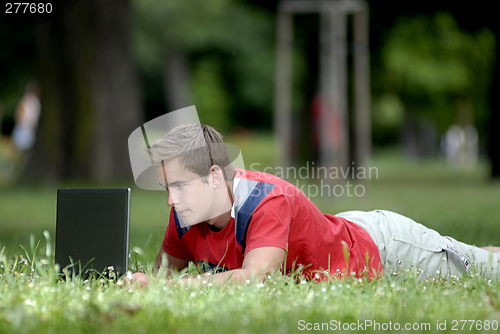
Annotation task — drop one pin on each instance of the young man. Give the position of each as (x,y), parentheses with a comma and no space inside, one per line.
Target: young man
(240,225)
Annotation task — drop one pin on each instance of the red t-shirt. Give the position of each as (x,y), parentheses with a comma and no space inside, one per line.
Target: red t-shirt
(269,211)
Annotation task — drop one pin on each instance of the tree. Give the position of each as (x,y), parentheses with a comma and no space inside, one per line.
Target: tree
(438,70)
(472,18)
(90,93)
(216,54)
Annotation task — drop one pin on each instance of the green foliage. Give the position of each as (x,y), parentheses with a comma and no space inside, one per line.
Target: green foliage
(388,114)
(389,111)
(211,100)
(229,48)
(432,65)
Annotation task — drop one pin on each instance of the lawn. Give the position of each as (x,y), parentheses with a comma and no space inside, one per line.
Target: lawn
(463,204)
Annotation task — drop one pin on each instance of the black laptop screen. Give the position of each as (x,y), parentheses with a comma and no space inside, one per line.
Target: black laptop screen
(92,229)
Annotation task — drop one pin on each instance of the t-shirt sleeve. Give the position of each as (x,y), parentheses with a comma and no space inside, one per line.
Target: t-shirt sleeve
(172,244)
(269,225)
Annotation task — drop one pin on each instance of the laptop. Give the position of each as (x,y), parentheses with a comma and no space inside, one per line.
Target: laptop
(93,230)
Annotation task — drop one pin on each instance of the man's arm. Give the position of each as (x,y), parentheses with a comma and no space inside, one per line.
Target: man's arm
(256,264)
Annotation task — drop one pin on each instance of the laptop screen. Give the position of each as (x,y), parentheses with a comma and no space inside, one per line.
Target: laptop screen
(92,229)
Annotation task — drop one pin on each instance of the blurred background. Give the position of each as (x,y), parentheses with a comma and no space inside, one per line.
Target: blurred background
(74,87)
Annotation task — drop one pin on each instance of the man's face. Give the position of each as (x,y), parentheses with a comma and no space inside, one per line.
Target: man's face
(192,198)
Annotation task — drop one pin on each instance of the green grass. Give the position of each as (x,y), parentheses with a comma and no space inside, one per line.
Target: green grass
(39,303)
(465,205)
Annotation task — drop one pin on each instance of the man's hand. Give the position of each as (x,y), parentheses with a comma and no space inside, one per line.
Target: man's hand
(136,279)
(140,279)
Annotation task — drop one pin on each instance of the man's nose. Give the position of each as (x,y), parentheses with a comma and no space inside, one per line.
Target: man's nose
(172,199)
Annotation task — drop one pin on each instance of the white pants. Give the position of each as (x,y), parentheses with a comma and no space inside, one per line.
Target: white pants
(405,244)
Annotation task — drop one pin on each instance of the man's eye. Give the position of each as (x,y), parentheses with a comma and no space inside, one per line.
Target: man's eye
(179,186)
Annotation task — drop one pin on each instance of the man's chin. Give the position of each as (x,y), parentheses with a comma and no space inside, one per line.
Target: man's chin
(188,218)
(190,222)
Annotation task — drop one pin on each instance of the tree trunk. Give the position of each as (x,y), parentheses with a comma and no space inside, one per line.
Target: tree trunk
(494,124)
(490,21)
(176,80)
(90,94)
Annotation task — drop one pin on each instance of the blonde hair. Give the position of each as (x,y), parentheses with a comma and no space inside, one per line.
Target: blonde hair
(197,146)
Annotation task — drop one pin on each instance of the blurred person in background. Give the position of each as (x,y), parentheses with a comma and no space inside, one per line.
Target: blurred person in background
(26,118)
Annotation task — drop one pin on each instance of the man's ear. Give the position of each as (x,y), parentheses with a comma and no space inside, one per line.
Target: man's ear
(216,175)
